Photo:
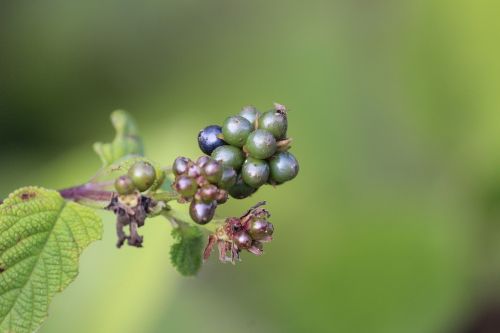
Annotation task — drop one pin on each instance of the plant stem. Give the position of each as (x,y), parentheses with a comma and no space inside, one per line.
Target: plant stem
(89,191)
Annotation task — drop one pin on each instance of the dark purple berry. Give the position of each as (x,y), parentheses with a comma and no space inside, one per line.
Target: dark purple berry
(260,229)
(201,212)
(222,197)
(242,240)
(208,193)
(202,160)
(208,139)
(193,171)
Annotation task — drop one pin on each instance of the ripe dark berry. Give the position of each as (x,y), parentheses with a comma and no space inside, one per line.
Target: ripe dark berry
(284,167)
(228,178)
(242,240)
(208,139)
(261,144)
(241,190)
(143,175)
(208,193)
(213,171)
(229,156)
(255,172)
(185,186)
(250,113)
(124,185)
(180,165)
(275,122)
(201,212)
(261,229)
(236,130)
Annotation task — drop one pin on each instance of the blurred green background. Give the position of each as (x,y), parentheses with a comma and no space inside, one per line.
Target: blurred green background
(393,222)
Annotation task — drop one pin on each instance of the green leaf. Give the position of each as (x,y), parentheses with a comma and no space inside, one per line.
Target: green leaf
(41,239)
(186,254)
(126,141)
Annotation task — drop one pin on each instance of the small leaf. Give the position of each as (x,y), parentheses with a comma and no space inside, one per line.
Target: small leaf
(41,239)
(126,141)
(187,252)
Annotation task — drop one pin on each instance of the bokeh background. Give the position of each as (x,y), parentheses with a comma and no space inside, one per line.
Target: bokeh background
(393,222)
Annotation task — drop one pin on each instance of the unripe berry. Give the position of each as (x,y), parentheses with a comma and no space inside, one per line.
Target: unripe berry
(228,178)
(222,197)
(185,186)
(236,130)
(213,171)
(241,190)
(284,167)
(124,185)
(260,229)
(202,160)
(193,171)
(208,139)
(143,175)
(250,113)
(180,165)
(201,212)
(208,193)
(261,144)
(242,240)
(229,156)
(275,122)
(255,172)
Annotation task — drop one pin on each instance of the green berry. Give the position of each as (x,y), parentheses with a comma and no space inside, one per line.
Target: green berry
(236,130)
(250,113)
(180,165)
(124,185)
(228,178)
(241,190)
(185,186)
(229,156)
(201,212)
(143,175)
(275,122)
(261,144)
(255,172)
(284,167)
(213,171)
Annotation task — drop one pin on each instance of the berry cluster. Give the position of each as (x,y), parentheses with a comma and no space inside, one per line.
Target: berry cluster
(247,232)
(254,147)
(202,184)
(140,177)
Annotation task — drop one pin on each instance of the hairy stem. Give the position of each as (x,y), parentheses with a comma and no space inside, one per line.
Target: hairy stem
(89,191)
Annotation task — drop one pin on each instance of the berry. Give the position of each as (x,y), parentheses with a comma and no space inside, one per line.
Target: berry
(202,160)
(193,171)
(242,240)
(255,172)
(208,193)
(124,185)
(208,139)
(284,167)
(250,113)
(228,178)
(229,156)
(275,122)
(240,190)
(261,144)
(213,171)
(236,130)
(185,186)
(261,229)
(201,212)
(143,175)
(222,197)
(180,165)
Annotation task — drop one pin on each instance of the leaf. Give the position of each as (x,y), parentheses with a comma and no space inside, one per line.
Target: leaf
(187,252)
(121,166)
(41,239)
(126,141)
